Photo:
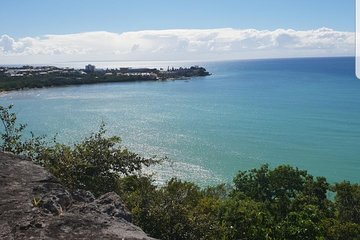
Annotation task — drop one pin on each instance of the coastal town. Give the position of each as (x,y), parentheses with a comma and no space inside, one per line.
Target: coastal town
(13,78)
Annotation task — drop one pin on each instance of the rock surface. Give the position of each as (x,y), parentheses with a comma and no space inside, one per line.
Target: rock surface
(34,205)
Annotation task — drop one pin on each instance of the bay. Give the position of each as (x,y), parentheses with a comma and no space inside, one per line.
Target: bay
(302,112)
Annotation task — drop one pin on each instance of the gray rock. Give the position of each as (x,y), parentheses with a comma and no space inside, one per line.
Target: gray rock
(34,205)
(111,204)
(83,196)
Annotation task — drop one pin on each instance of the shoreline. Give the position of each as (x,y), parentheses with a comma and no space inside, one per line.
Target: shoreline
(30,77)
(5,92)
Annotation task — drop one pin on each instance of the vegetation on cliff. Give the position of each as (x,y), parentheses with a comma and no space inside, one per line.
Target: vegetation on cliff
(263,203)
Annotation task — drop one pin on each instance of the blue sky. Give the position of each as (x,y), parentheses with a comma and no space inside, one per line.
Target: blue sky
(20,18)
(44,31)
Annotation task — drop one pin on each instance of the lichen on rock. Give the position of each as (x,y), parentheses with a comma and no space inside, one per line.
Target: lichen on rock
(34,205)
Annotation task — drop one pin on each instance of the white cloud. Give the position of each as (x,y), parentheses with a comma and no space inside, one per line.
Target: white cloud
(177,44)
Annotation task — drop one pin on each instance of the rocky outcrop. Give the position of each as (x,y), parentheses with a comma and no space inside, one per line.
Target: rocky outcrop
(34,205)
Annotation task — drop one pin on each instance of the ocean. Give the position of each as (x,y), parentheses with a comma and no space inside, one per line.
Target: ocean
(302,112)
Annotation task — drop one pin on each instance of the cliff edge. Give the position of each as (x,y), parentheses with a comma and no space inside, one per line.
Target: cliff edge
(34,205)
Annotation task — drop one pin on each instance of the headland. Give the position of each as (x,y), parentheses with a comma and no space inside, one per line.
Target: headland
(16,78)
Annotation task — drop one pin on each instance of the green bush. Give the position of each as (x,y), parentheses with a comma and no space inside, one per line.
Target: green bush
(12,139)
(94,164)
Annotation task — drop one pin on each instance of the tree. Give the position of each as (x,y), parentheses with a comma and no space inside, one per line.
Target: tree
(347,202)
(300,225)
(12,139)
(244,219)
(276,188)
(12,133)
(95,164)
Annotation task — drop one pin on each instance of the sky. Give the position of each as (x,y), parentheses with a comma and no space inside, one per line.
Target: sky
(36,31)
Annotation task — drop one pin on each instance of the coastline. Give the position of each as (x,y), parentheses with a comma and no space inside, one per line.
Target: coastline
(5,92)
(29,77)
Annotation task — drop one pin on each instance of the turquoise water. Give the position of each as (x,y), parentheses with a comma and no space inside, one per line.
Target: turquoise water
(303,112)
